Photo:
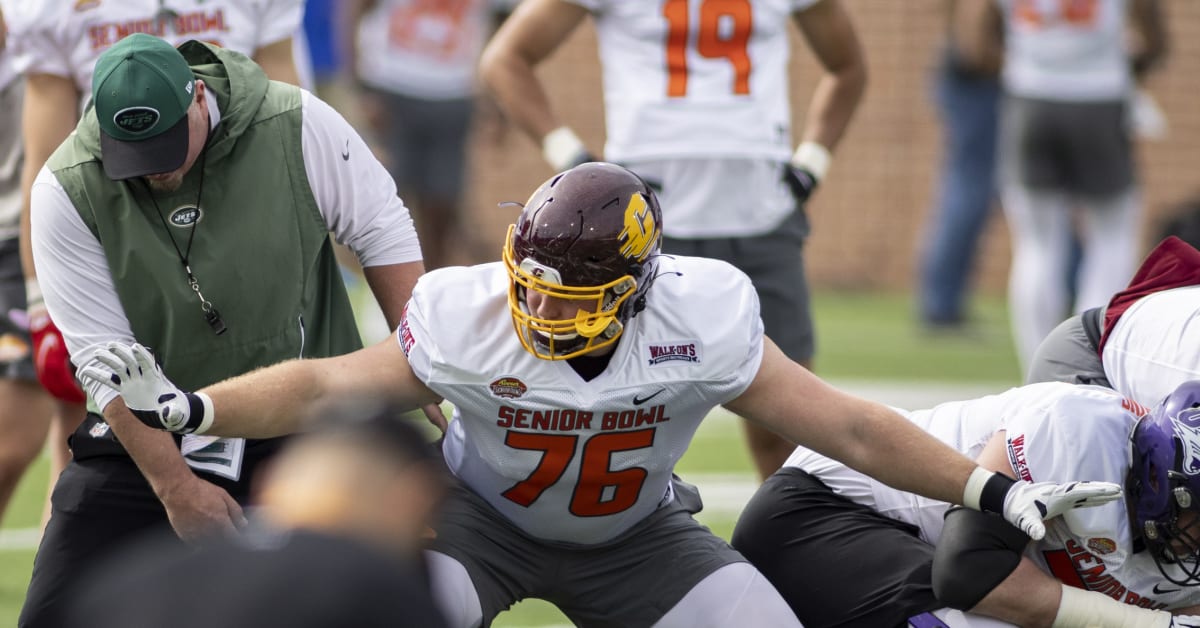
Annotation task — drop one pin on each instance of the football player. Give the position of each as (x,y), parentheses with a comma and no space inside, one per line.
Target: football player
(846,550)
(580,367)
(696,101)
(1143,342)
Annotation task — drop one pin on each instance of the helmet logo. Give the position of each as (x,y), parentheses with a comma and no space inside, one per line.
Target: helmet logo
(541,271)
(1188,432)
(639,234)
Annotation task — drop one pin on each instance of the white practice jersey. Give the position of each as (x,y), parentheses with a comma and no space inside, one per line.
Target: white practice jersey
(570,460)
(423,48)
(64,38)
(1055,432)
(695,78)
(1153,347)
(1066,50)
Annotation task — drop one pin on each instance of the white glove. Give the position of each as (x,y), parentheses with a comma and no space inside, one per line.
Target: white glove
(1027,504)
(132,372)
(1185,621)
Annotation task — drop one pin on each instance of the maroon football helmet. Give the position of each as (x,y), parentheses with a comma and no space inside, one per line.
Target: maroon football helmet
(591,235)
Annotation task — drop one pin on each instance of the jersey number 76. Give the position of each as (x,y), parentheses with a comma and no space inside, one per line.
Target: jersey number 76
(595,474)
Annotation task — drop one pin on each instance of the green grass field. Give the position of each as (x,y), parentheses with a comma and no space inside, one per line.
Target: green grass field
(863,338)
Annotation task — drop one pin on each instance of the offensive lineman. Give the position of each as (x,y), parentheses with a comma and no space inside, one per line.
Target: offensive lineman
(846,550)
(696,101)
(566,431)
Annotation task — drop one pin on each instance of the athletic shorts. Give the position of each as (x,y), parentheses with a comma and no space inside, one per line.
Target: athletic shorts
(1082,149)
(426,142)
(836,562)
(1069,353)
(16,348)
(775,264)
(630,581)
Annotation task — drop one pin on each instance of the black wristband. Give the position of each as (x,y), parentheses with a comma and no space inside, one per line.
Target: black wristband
(195,414)
(991,498)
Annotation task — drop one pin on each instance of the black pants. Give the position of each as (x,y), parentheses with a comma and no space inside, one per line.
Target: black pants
(837,563)
(101,502)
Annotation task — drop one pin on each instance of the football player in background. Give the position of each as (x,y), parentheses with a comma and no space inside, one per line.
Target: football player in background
(696,101)
(55,44)
(1066,155)
(1144,342)
(566,432)
(847,550)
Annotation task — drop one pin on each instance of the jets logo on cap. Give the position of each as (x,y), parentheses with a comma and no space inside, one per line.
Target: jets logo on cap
(136,119)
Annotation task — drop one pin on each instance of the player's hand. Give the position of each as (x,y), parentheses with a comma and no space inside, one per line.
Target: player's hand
(198,509)
(51,362)
(147,392)
(1185,621)
(1028,504)
(433,412)
(563,150)
(800,181)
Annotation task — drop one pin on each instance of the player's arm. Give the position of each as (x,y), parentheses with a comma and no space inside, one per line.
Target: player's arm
(47,118)
(277,60)
(535,29)
(1149,41)
(831,36)
(977,27)
(873,439)
(264,403)
(979,566)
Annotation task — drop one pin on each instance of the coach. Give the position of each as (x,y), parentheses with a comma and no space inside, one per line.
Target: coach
(191,210)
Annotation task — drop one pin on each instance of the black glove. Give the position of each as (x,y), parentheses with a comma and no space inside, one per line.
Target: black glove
(800,181)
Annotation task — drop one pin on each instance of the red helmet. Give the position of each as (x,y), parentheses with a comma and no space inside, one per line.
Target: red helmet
(591,234)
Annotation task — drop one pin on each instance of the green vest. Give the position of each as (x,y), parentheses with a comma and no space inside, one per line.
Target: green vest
(261,251)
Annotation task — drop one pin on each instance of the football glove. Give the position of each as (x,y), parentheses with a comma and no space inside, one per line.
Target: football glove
(1027,505)
(51,362)
(132,372)
(800,181)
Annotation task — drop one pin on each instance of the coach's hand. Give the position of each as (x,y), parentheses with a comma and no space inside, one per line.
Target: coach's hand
(1028,504)
(151,397)
(198,509)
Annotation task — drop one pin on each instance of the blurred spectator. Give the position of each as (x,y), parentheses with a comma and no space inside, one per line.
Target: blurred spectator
(967,96)
(1065,145)
(335,542)
(24,408)
(414,61)
(1184,222)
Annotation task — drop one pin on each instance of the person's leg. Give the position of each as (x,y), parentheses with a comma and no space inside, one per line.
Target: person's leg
(734,596)
(968,106)
(1039,223)
(439,162)
(97,505)
(65,418)
(453,591)
(835,562)
(24,410)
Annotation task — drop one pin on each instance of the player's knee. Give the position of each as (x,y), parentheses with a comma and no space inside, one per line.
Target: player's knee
(453,591)
(975,553)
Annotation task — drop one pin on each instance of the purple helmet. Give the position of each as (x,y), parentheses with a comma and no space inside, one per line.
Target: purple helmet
(1164,483)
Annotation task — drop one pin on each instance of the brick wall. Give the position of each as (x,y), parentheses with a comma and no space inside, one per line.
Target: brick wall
(867,218)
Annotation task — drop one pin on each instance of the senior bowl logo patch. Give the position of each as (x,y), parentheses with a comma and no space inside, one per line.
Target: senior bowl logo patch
(1101,545)
(508,387)
(136,120)
(688,351)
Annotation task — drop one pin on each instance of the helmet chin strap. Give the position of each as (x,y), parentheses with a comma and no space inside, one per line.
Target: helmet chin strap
(593,328)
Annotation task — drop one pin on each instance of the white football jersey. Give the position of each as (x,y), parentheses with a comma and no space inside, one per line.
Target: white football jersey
(695,78)
(1055,432)
(1066,50)
(566,459)
(64,38)
(423,48)
(1153,347)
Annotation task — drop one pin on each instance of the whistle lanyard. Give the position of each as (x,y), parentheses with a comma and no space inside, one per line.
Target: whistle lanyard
(211,315)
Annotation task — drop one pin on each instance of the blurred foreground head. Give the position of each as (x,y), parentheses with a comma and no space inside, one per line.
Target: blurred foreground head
(363,470)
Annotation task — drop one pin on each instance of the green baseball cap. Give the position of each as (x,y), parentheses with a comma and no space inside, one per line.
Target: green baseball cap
(141,89)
